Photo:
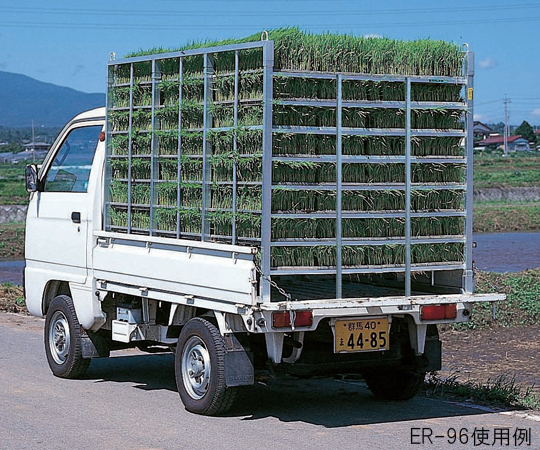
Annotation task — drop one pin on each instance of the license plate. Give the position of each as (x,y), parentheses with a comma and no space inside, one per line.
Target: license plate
(361,335)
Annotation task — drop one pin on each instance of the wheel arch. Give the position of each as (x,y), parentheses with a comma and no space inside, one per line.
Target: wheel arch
(53,289)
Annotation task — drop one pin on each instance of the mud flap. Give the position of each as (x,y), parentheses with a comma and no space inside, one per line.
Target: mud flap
(238,363)
(94,346)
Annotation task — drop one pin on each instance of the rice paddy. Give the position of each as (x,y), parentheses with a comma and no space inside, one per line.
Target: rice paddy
(185,154)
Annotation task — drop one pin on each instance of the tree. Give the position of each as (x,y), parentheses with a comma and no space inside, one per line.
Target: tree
(526,130)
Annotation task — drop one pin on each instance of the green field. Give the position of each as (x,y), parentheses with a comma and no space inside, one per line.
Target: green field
(12,189)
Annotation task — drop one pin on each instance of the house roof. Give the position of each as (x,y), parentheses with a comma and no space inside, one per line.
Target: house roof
(498,140)
(537,131)
(482,126)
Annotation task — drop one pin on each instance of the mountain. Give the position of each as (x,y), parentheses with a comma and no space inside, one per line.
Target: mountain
(23,98)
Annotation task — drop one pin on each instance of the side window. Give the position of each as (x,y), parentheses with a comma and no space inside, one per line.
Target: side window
(70,169)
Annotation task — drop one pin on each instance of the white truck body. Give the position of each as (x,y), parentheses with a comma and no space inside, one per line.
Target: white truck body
(137,289)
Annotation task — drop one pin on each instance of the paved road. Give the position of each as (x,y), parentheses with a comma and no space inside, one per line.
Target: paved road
(130,402)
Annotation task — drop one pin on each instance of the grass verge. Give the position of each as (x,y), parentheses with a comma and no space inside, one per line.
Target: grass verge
(522,305)
(501,391)
(504,217)
(12,240)
(12,299)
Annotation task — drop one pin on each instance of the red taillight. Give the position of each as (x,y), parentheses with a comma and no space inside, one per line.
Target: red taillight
(438,312)
(282,319)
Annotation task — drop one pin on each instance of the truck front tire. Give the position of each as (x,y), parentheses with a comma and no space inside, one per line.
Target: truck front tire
(63,345)
(200,369)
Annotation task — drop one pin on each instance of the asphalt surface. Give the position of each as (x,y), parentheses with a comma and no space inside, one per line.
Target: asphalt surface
(129,401)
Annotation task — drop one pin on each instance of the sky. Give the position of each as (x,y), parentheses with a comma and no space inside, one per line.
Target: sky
(68,43)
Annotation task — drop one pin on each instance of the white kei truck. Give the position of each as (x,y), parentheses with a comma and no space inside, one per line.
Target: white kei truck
(225,310)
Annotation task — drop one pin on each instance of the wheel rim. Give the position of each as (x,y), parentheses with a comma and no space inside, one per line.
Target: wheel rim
(59,337)
(196,367)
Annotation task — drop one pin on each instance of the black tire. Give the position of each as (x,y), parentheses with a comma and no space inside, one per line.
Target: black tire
(63,339)
(394,384)
(200,369)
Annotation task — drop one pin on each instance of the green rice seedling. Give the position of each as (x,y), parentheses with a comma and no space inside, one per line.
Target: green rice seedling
(222,167)
(391,200)
(374,173)
(168,169)
(373,145)
(422,92)
(435,200)
(191,169)
(304,88)
(250,169)
(118,217)
(140,168)
(193,88)
(249,198)
(166,219)
(119,168)
(119,145)
(167,117)
(373,118)
(249,141)
(289,200)
(295,171)
(169,68)
(438,173)
(190,221)
(436,253)
(373,90)
(167,142)
(142,94)
(167,194)
(436,146)
(297,50)
(248,225)
(119,191)
(140,194)
(292,256)
(120,96)
(284,144)
(142,119)
(373,255)
(169,92)
(119,120)
(436,119)
(140,219)
(380,227)
(141,144)
(220,223)
(122,73)
(306,116)
(437,226)
(142,71)
(221,197)
(222,142)
(191,195)
(192,115)
(191,143)
(250,85)
(324,255)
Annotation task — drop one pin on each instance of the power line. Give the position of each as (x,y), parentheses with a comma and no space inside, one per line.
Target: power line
(165,27)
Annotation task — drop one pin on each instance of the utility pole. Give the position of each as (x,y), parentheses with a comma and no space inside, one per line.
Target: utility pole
(506,100)
(33,143)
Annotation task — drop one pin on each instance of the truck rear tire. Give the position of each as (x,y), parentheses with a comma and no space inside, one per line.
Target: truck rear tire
(394,384)
(63,345)
(200,369)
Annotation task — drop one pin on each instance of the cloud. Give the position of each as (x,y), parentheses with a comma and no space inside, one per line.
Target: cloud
(488,63)
(373,35)
(78,69)
(482,118)
(536,112)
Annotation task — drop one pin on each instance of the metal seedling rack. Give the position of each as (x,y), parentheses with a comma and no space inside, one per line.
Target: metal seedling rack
(196,101)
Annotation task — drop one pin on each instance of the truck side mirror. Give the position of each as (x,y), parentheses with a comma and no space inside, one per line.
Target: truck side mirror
(31,177)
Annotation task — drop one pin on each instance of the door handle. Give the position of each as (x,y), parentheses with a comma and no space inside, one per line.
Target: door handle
(76,217)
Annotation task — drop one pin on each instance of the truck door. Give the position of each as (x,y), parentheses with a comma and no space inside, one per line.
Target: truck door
(58,216)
